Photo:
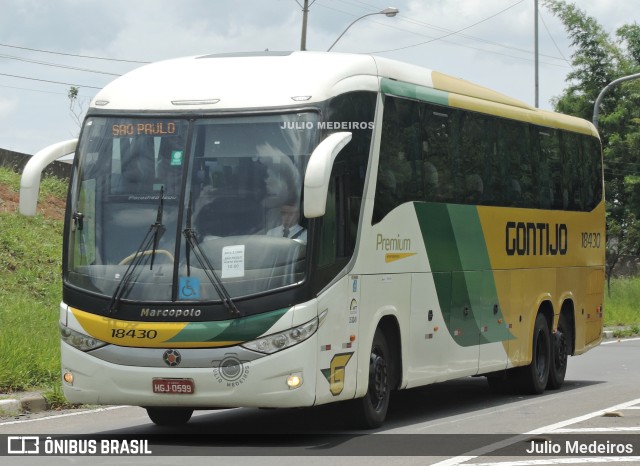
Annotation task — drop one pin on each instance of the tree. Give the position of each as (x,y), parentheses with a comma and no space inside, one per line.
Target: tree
(597,60)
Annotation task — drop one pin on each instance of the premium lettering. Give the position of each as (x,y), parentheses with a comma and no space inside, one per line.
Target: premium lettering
(392,244)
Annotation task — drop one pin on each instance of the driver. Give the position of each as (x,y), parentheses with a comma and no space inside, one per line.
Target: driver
(290,228)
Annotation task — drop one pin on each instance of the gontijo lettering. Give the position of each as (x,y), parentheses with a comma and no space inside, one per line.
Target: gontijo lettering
(531,239)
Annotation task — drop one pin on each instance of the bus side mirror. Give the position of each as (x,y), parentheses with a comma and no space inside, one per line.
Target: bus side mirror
(316,178)
(30,180)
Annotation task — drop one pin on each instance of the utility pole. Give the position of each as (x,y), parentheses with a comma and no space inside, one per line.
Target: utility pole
(305,13)
(537,80)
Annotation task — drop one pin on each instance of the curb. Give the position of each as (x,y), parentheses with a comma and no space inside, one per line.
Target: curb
(29,403)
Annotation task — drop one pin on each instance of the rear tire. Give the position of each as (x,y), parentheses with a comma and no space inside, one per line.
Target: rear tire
(373,407)
(532,379)
(169,416)
(560,350)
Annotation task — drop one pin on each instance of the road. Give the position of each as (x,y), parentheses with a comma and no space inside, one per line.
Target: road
(457,422)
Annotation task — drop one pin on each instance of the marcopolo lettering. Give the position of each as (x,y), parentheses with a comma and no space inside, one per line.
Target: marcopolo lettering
(536,239)
(147,312)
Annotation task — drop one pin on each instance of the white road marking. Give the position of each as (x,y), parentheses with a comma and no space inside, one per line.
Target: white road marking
(79,413)
(590,430)
(484,451)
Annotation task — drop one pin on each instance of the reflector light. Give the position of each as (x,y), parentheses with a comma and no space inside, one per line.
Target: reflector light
(68,377)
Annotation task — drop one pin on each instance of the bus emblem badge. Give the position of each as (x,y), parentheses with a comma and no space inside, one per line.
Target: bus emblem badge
(171,358)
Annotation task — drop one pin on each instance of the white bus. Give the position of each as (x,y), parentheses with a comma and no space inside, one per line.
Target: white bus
(295,229)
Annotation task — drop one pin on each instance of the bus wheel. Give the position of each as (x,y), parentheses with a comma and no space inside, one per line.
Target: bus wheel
(560,349)
(169,416)
(374,405)
(533,378)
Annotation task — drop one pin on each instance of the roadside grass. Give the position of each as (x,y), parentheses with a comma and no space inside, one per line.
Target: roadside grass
(622,306)
(30,293)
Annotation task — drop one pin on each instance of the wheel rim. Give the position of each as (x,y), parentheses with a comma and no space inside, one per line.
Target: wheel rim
(378,389)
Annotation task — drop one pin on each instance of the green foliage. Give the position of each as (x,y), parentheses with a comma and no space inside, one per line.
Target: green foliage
(594,57)
(597,61)
(55,398)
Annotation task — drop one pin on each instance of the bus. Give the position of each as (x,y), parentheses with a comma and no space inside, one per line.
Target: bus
(290,229)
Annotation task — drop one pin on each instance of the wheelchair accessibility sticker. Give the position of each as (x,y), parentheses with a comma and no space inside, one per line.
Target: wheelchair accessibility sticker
(189,288)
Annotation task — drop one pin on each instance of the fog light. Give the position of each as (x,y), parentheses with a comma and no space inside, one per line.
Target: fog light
(294,381)
(68,377)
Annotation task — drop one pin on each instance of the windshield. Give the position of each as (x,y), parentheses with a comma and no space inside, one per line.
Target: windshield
(169,204)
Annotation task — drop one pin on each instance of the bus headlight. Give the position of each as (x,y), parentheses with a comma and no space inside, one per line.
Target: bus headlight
(279,341)
(79,340)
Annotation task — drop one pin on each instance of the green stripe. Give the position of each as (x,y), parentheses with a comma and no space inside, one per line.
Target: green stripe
(412,91)
(242,329)
(469,237)
(462,274)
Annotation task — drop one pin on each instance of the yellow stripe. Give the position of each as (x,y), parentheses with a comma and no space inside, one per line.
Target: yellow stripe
(469,96)
(139,334)
(396,256)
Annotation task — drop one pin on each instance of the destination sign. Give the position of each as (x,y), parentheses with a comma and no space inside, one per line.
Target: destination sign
(159,128)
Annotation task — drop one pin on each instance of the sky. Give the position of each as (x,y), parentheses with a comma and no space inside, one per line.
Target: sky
(48,46)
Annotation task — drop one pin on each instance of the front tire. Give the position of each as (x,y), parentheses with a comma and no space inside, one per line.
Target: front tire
(532,379)
(373,407)
(169,416)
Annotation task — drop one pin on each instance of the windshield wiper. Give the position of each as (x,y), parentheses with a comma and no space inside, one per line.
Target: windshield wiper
(158,228)
(207,267)
(150,240)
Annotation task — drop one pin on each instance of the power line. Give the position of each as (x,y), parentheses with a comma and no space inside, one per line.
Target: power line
(449,32)
(56,65)
(441,29)
(453,32)
(551,37)
(48,81)
(72,54)
(32,90)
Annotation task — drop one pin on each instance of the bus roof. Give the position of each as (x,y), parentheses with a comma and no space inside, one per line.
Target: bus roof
(280,79)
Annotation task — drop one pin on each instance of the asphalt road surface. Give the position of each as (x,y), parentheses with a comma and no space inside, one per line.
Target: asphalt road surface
(593,419)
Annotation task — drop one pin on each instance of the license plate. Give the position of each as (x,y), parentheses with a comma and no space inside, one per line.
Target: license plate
(174,386)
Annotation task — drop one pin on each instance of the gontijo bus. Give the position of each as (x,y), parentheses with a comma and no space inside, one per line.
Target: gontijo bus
(444,230)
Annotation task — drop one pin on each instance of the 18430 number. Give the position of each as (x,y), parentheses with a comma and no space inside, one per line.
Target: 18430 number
(134,333)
